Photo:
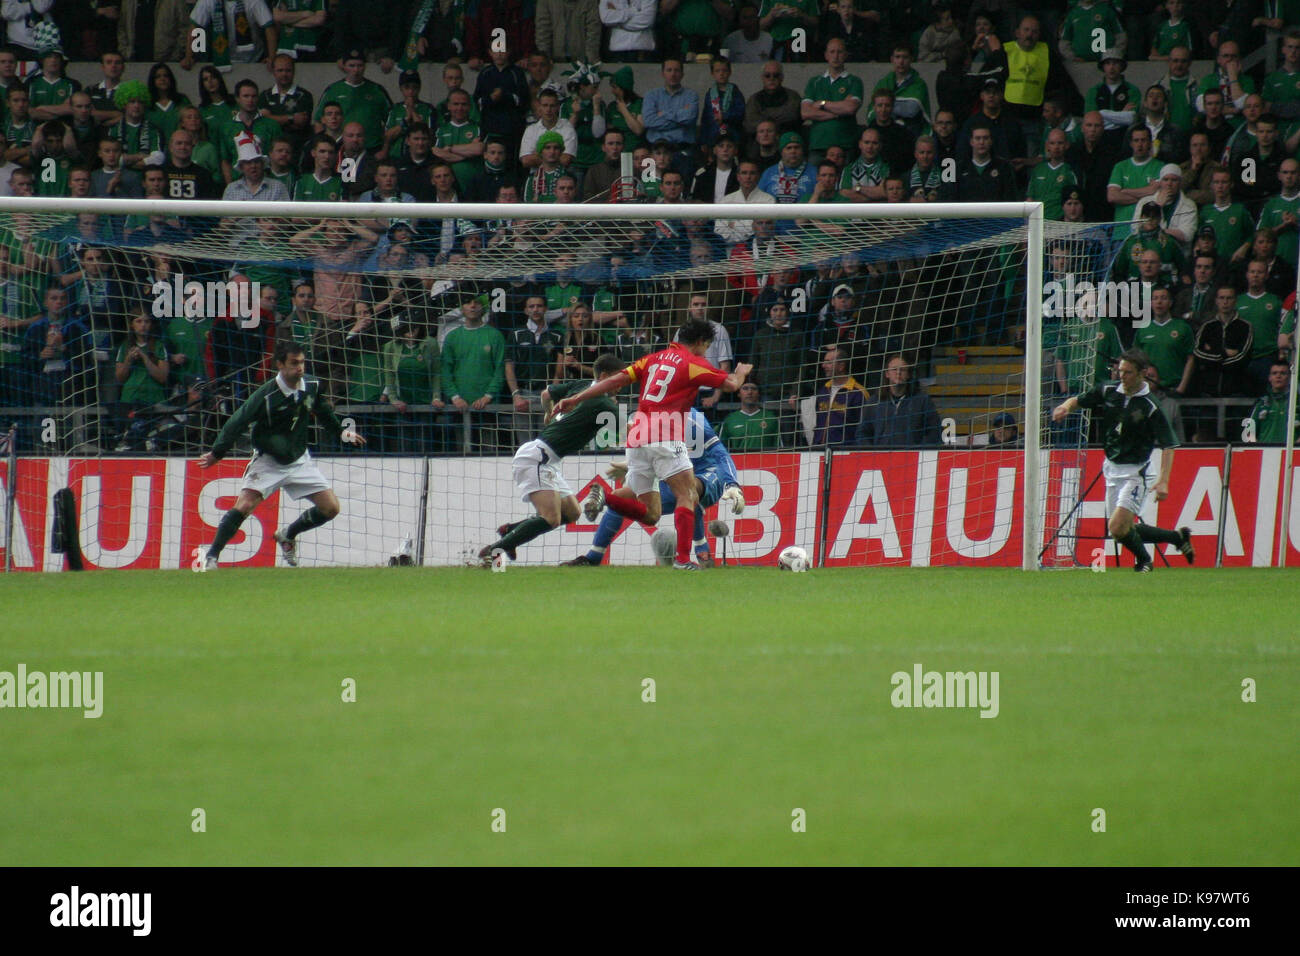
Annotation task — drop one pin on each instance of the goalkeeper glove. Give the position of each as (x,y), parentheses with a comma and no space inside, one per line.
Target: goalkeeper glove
(736,498)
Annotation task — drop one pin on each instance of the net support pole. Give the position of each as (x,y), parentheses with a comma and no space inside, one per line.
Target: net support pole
(1284,530)
(10,494)
(1032,513)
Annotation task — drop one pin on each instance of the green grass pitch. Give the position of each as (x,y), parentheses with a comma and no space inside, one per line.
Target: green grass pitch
(523,691)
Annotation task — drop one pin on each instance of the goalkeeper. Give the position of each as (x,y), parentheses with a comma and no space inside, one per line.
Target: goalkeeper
(536,463)
(715,481)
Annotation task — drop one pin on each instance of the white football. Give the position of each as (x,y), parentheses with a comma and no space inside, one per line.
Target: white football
(664,545)
(793,558)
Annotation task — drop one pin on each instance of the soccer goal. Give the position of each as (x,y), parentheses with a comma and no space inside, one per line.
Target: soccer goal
(905,370)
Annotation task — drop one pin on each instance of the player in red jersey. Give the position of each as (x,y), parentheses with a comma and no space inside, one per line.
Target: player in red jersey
(656,437)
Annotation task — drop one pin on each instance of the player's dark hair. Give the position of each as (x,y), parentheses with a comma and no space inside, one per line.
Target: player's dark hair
(695,330)
(284,349)
(1136,357)
(607,362)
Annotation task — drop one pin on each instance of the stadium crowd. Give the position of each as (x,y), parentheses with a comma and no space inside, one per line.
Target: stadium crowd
(1199,171)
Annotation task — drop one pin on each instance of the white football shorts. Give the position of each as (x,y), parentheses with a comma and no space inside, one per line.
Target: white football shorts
(1126,487)
(300,479)
(535,469)
(647,465)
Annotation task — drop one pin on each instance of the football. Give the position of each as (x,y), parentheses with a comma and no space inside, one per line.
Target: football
(664,545)
(793,558)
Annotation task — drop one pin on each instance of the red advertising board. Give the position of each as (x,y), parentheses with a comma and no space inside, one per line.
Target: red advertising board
(927,508)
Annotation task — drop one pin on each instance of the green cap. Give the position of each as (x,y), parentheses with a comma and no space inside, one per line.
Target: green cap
(789,138)
(550,136)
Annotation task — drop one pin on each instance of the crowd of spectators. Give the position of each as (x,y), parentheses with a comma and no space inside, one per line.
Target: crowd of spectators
(1199,171)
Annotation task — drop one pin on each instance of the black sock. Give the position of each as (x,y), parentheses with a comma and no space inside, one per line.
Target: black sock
(524,531)
(1133,541)
(1149,532)
(226,530)
(311,518)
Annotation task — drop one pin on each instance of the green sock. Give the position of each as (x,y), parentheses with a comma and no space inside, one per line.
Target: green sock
(226,530)
(524,531)
(1133,541)
(1149,532)
(311,518)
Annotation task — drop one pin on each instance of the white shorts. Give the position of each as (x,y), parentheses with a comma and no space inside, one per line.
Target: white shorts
(300,479)
(1126,487)
(647,465)
(535,468)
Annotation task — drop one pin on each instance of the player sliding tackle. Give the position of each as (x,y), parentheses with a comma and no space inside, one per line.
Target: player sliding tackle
(715,480)
(656,438)
(1132,424)
(280,412)
(537,463)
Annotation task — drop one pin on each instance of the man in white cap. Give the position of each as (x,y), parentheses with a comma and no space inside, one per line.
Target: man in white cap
(1178,215)
(252,185)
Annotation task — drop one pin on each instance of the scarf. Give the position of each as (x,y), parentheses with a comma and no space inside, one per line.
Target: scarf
(244,42)
(720,103)
(411,52)
(787,184)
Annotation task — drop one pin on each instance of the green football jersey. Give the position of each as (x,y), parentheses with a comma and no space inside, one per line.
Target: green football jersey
(310,189)
(1171,254)
(1131,426)
(862,174)
(450,134)
(168,119)
(397,118)
(1269,416)
(1182,111)
(1167,345)
(1271,217)
(52,180)
(1045,185)
(188,336)
(1232,227)
(569,434)
(759,431)
(842,131)
(367,103)
(1129,174)
(782,29)
(1264,313)
(41,92)
(589,151)
(1086,347)
(1080,24)
(1170,35)
(281,423)
(140,387)
(614,120)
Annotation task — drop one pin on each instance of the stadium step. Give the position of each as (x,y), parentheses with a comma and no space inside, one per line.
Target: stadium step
(979,351)
(981,368)
(973,390)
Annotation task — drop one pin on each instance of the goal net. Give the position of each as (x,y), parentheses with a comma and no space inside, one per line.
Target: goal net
(905,370)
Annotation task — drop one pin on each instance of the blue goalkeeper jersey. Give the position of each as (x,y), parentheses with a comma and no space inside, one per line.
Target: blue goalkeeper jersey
(710,459)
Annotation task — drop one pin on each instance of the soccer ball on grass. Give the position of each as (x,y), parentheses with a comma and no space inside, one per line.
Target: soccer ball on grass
(793,558)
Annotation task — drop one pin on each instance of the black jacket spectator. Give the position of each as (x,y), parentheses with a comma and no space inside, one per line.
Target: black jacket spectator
(1093,167)
(896,145)
(413,178)
(1217,373)
(996,182)
(781,107)
(906,421)
(1008,138)
(507,115)
(702,185)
